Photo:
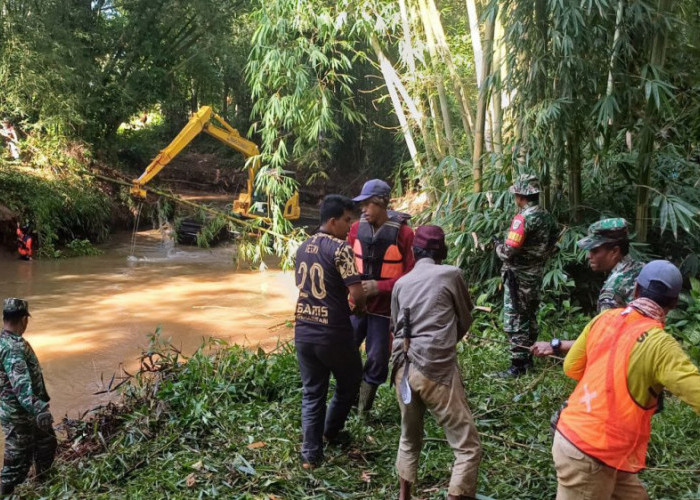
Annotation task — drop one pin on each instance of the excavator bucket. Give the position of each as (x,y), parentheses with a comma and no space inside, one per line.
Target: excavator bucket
(291,208)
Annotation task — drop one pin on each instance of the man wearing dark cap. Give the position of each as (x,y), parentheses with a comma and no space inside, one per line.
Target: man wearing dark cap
(24,403)
(608,252)
(622,361)
(382,242)
(529,242)
(431,309)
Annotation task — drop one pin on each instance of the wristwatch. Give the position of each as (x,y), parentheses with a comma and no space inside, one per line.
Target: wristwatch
(556,345)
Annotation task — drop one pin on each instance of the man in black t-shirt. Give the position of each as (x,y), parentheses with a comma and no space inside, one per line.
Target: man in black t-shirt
(325,273)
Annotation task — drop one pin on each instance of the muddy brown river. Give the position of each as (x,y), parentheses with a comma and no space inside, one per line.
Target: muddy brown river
(92,314)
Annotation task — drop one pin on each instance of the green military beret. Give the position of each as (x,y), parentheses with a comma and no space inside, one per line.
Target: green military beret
(525,184)
(605,231)
(15,307)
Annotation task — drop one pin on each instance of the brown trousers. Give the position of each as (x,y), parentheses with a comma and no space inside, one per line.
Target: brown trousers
(582,477)
(448,404)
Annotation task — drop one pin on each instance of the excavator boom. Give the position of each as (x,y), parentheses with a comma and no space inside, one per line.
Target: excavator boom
(189,132)
(201,121)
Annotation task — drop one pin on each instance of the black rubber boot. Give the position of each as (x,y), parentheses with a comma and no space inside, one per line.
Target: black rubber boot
(367,394)
(517,368)
(6,489)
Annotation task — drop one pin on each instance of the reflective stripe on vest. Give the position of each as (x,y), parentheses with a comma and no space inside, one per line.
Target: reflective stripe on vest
(377,254)
(601,418)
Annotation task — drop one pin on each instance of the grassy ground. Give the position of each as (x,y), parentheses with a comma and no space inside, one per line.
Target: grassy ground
(229,426)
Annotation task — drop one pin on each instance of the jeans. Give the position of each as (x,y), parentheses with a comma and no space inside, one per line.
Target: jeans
(374,331)
(316,364)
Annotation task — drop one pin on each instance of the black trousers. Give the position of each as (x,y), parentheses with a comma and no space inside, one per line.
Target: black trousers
(316,364)
(374,331)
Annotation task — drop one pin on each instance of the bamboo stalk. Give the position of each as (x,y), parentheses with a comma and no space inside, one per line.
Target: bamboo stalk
(442,95)
(390,78)
(460,92)
(646,147)
(482,105)
(476,41)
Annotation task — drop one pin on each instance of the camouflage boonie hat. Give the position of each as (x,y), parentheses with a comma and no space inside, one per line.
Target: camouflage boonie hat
(525,185)
(15,307)
(605,231)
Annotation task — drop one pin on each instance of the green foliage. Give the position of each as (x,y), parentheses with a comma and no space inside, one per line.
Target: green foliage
(81,69)
(582,137)
(590,97)
(78,248)
(226,423)
(684,322)
(299,73)
(61,209)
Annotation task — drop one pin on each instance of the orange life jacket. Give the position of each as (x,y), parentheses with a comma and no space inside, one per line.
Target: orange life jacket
(24,244)
(377,254)
(601,418)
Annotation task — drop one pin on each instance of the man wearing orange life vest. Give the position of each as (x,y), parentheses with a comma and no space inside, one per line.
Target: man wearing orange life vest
(383,246)
(622,360)
(24,242)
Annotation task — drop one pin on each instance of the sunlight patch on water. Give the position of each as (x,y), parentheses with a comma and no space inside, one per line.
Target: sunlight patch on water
(90,314)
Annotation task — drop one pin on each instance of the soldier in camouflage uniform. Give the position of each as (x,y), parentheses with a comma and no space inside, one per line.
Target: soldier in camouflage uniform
(608,251)
(24,403)
(529,243)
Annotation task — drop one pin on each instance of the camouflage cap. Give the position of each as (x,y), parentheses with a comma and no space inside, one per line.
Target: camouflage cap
(525,185)
(605,231)
(15,307)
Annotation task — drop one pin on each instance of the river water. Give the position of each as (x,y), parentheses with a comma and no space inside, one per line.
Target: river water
(91,315)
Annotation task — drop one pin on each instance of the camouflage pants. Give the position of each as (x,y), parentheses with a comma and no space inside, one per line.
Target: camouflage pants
(520,315)
(25,444)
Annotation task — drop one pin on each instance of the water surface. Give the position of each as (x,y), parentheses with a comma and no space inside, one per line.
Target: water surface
(92,314)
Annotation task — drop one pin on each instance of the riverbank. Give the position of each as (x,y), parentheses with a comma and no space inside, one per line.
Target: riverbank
(228,426)
(67,212)
(61,190)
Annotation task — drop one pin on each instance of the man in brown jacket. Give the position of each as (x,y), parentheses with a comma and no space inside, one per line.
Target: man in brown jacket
(436,300)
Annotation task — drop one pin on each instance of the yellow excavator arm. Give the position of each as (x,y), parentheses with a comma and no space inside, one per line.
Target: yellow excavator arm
(201,121)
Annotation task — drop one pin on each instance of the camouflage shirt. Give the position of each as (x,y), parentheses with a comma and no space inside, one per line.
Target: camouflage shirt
(618,289)
(22,391)
(529,241)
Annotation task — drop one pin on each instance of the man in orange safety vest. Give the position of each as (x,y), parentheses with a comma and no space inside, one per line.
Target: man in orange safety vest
(383,244)
(622,360)
(24,242)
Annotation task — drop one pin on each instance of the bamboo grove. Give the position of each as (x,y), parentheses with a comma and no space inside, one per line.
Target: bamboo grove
(600,98)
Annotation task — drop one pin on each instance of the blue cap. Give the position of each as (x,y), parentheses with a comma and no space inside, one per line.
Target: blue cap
(375,187)
(668,278)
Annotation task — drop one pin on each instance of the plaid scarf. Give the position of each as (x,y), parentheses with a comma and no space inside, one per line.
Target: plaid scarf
(649,308)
